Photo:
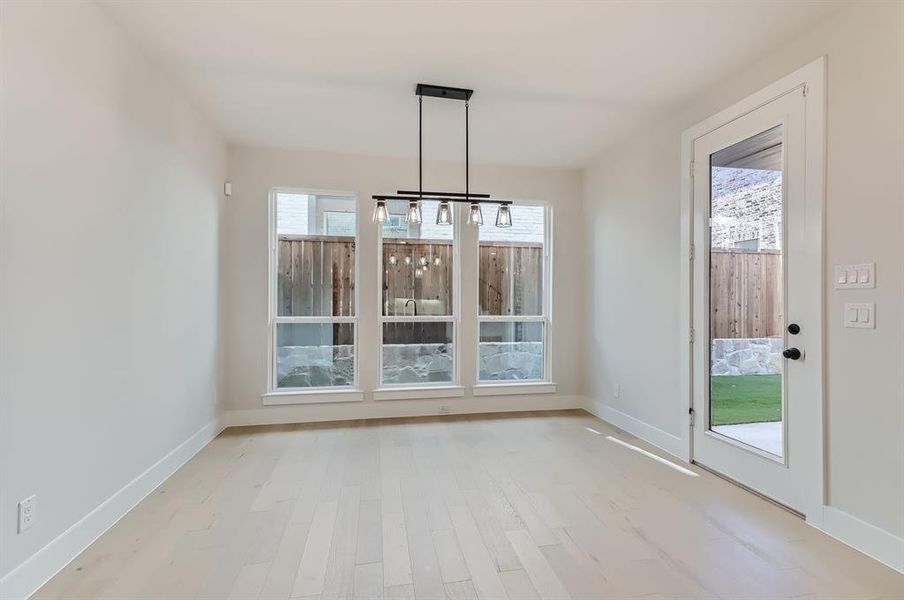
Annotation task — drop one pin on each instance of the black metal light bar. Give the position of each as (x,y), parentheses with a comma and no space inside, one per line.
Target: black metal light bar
(449,194)
(458,198)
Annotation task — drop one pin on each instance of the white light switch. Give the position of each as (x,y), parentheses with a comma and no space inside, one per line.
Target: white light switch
(860,315)
(855,276)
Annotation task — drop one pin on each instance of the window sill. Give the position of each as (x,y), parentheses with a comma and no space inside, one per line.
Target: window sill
(514,389)
(317,396)
(421,392)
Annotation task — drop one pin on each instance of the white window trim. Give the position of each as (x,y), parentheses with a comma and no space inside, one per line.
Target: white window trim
(430,389)
(318,395)
(419,392)
(491,387)
(281,396)
(514,389)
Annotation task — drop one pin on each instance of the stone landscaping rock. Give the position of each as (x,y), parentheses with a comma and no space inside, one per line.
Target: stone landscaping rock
(322,366)
(742,356)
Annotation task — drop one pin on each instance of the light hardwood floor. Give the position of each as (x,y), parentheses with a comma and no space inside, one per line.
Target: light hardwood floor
(518,505)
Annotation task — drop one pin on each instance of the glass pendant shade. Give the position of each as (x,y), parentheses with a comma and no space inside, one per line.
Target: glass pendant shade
(414,213)
(381,215)
(444,214)
(475,215)
(504,216)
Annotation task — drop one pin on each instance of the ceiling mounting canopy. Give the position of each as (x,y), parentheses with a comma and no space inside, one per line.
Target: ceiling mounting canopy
(444,213)
(443,91)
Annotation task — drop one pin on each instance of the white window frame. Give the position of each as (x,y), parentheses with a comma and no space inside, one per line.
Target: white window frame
(278,395)
(438,389)
(484,387)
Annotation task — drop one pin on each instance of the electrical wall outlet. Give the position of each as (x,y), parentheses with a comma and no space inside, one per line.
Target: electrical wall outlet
(27,512)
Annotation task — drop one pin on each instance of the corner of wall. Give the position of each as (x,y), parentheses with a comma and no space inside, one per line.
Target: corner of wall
(674,445)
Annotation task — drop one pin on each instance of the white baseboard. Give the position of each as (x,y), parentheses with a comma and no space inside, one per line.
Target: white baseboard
(277,415)
(877,543)
(25,579)
(663,440)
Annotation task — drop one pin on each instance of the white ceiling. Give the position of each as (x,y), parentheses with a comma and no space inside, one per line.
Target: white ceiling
(555,82)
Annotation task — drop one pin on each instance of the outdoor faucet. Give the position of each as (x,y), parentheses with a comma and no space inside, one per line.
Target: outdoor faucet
(415,305)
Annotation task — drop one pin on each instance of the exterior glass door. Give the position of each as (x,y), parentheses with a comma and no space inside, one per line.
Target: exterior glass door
(756,301)
(746,291)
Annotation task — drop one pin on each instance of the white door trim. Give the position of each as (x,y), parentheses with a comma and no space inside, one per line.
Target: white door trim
(812,78)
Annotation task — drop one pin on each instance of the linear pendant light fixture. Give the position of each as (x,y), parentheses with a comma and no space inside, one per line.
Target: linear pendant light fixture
(446,199)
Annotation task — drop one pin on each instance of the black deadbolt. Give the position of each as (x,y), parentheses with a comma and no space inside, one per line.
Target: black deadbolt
(792,353)
(793,328)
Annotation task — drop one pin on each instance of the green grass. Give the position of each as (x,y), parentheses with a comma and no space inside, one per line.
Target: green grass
(746,399)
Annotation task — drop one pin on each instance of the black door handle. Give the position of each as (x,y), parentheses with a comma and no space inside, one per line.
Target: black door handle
(792,353)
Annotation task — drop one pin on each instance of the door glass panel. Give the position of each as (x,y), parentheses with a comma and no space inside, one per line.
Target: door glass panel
(746,292)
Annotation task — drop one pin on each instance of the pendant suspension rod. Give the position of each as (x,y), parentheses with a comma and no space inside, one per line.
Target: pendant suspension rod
(467,162)
(420,146)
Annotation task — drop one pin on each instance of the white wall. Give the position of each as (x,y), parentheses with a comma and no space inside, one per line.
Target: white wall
(631,203)
(254,171)
(111,185)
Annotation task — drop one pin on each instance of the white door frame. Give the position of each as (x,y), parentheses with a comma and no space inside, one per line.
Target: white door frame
(812,79)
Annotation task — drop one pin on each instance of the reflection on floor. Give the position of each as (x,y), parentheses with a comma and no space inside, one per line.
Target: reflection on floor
(765,436)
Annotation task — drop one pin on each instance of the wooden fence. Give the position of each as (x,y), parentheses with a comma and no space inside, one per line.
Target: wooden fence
(418,270)
(511,278)
(315,276)
(746,294)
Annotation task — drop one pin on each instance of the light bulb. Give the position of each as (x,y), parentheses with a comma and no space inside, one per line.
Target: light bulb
(475,215)
(503,216)
(414,213)
(407,260)
(423,261)
(444,214)
(381,215)
(392,259)
(436,261)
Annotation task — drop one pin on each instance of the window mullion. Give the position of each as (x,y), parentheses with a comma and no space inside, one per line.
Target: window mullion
(289,319)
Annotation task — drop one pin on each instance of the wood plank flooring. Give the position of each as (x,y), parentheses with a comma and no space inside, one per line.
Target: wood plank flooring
(516,505)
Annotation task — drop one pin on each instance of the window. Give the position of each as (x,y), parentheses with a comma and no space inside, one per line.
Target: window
(312,315)
(752,245)
(514,284)
(418,300)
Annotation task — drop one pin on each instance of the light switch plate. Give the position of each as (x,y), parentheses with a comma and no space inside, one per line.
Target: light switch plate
(860,315)
(860,276)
